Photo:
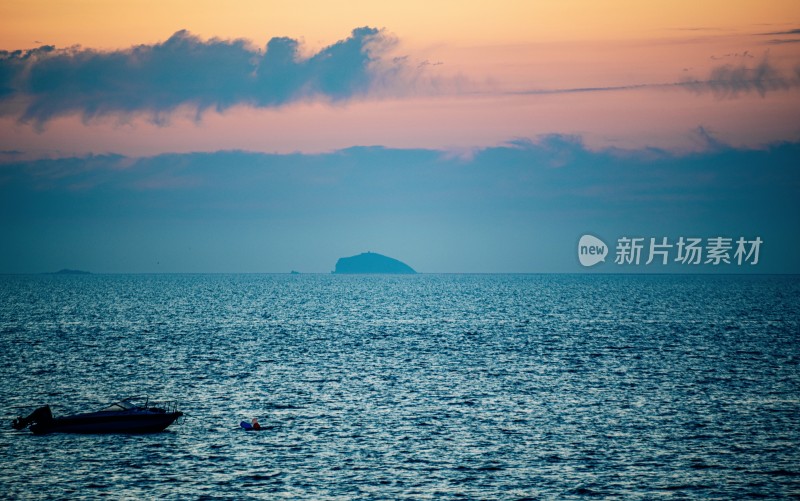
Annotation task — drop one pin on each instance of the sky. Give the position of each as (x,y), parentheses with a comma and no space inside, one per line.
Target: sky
(268,136)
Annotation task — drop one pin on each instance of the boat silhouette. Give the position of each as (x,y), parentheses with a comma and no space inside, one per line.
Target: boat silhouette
(120,417)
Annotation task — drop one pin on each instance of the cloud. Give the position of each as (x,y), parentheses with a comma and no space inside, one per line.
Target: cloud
(240,211)
(784,33)
(707,140)
(553,171)
(783,41)
(787,32)
(730,81)
(40,84)
(724,81)
(189,73)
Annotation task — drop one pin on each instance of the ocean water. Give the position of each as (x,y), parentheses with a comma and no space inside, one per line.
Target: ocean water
(408,387)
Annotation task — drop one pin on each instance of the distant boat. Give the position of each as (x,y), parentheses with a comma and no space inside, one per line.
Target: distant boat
(120,417)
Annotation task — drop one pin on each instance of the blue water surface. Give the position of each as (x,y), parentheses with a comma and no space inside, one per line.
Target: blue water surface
(408,387)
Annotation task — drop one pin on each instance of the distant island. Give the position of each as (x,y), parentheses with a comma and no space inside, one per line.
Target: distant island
(67,271)
(370,262)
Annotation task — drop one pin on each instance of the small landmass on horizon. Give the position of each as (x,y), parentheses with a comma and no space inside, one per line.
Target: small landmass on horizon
(371,262)
(67,271)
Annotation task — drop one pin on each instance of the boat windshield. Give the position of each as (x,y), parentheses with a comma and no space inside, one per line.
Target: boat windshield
(119,406)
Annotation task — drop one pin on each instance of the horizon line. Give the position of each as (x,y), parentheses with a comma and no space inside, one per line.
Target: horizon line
(593,272)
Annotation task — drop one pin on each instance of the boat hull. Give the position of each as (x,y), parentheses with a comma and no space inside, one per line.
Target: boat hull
(106,422)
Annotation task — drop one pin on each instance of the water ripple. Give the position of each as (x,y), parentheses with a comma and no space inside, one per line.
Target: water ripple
(481,387)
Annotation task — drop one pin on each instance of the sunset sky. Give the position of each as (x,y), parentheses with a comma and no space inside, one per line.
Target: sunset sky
(259,136)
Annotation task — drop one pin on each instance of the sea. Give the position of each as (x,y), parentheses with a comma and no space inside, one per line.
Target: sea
(408,387)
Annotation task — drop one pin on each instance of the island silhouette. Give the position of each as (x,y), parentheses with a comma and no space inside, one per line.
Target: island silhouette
(371,262)
(67,271)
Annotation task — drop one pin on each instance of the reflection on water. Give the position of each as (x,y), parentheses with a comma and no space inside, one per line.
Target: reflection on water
(506,386)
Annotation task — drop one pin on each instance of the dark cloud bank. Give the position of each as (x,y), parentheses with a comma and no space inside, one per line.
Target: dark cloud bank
(40,84)
(46,82)
(535,197)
